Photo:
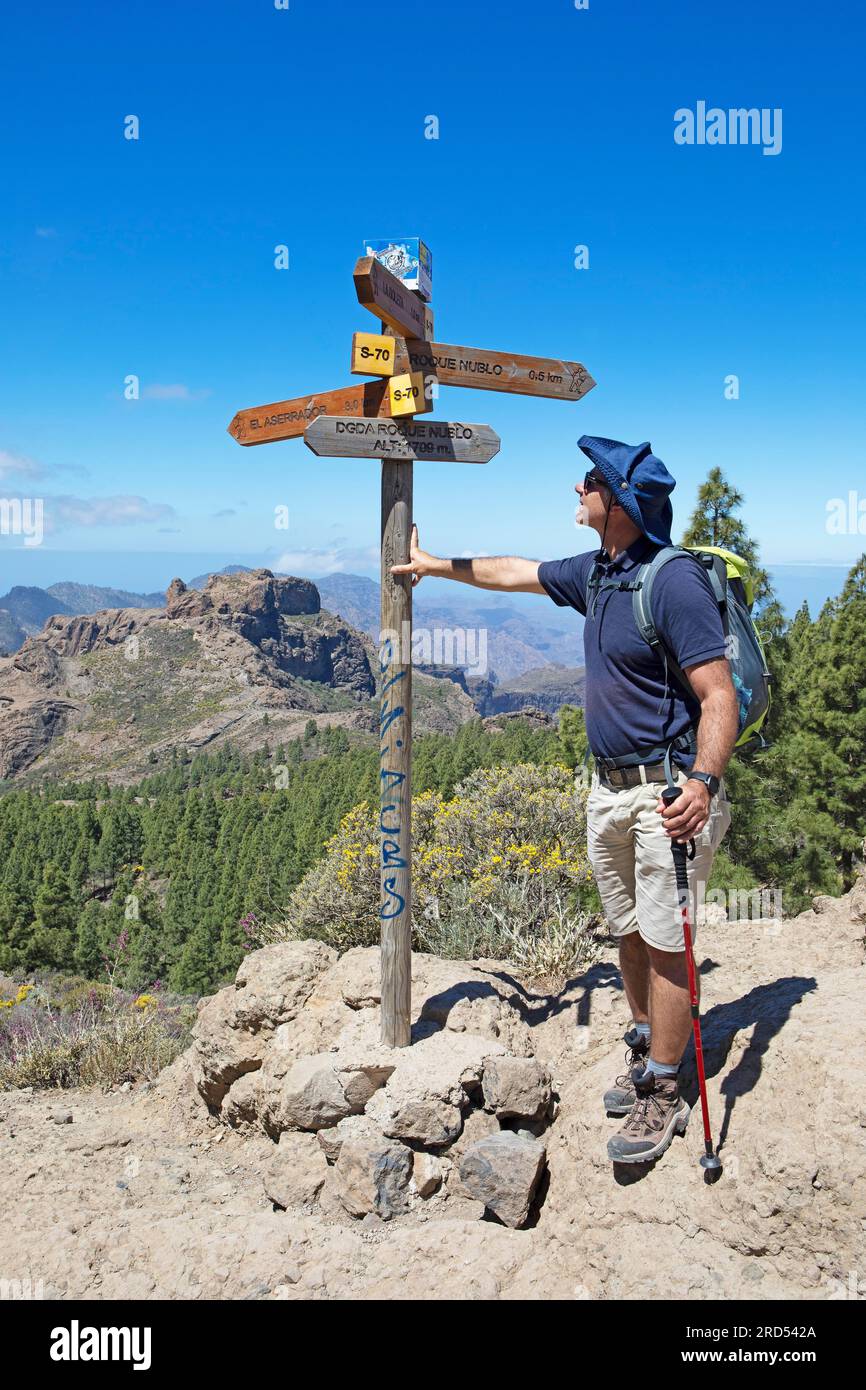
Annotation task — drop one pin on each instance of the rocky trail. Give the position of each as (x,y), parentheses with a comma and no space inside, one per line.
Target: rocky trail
(155,1194)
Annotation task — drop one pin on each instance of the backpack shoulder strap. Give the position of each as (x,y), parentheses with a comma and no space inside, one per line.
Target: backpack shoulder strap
(642,599)
(642,603)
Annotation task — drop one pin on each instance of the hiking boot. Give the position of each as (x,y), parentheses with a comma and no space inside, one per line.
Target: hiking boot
(621,1096)
(659,1112)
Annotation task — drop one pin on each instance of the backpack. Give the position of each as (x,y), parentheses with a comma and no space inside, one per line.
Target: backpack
(731,583)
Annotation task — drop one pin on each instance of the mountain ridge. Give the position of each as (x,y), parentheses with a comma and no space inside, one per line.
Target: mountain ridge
(250,658)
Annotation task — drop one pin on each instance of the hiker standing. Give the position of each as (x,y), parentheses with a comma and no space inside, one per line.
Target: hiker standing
(645,728)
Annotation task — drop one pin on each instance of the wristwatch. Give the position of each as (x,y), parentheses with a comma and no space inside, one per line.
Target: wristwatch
(710,782)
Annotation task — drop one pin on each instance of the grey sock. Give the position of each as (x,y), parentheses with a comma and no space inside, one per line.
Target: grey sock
(643,1029)
(662,1068)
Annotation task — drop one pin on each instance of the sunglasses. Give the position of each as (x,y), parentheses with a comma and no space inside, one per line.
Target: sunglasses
(592,482)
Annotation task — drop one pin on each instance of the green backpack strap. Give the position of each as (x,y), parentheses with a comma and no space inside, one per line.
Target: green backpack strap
(643,594)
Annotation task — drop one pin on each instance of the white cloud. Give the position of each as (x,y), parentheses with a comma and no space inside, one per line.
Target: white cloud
(46,231)
(308,562)
(104,511)
(17,464)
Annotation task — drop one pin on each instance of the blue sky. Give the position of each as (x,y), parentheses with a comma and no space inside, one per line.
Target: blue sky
(306,127)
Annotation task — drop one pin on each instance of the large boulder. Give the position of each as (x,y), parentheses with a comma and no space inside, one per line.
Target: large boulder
(431,1085)
(235,1027)
(221,1052)
(516,1087)
(372,1175)
(318,1091)
(503,1172)
(272,984)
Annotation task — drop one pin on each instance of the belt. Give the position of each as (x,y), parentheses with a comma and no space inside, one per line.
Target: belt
(618,778)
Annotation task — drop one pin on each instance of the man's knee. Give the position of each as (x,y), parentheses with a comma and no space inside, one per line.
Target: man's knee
(632,946)
(671,965)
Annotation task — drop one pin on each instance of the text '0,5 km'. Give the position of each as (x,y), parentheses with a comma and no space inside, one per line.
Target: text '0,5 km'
(500,371)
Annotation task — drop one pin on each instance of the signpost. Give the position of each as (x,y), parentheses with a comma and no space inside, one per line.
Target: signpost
(362,421)
(500,371)
(373,354)
(339,436)
(384,295)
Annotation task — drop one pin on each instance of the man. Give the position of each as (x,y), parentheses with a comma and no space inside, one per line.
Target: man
(637,716)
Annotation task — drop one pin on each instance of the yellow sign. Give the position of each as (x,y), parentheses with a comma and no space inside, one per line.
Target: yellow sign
(372,354)
(406,393)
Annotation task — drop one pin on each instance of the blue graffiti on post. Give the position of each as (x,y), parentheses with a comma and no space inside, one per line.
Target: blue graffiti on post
(391,826)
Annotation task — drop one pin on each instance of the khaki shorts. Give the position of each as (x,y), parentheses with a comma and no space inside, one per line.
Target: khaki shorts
(633,865)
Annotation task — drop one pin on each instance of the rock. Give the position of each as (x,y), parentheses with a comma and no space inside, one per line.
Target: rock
(823,903)
(426,1174)
(461,1208)
(476,1006)
(221,1052)
(516,1086)
(477,1124)
(320,1090)
(233,1027)
(62,1117)
(857,900)
(353,980)
(296,1172)
(503,1172)
(373,1176)
(273,983)
(240,1106)
(424,1098)
(351,1127)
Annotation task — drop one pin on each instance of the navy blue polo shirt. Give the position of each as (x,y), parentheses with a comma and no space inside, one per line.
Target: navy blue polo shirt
(630,706)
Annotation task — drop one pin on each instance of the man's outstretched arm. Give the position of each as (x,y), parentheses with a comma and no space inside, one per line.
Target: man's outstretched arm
(507,572)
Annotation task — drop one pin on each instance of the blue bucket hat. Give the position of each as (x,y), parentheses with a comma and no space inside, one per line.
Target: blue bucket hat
(638,481)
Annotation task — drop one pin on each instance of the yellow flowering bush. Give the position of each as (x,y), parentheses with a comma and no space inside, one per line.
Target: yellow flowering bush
(499,870)
(146,1001)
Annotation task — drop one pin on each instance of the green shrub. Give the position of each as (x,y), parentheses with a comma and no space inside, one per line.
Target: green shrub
(499,870)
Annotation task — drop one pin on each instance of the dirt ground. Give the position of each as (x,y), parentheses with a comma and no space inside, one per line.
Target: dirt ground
(144,1195)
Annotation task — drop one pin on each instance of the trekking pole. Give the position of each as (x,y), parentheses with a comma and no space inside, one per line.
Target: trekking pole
(710,1161)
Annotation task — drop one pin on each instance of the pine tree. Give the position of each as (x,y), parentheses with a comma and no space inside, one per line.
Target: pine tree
(572,742)
(196,970)
(147,958)
(714,522)
(89,941)
(55,913)
(825,747)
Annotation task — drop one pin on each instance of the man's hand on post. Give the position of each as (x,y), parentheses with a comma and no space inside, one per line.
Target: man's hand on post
(687,816)
(420,563)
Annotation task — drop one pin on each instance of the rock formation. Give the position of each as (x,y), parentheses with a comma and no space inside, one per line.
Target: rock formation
(107,693)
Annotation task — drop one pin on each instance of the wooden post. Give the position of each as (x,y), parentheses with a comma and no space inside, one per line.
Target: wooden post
(395,755)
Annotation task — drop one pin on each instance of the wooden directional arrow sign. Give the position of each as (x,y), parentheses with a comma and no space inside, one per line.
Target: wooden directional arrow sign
(347,437)
(264,424)
(384,295)
(500,371)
